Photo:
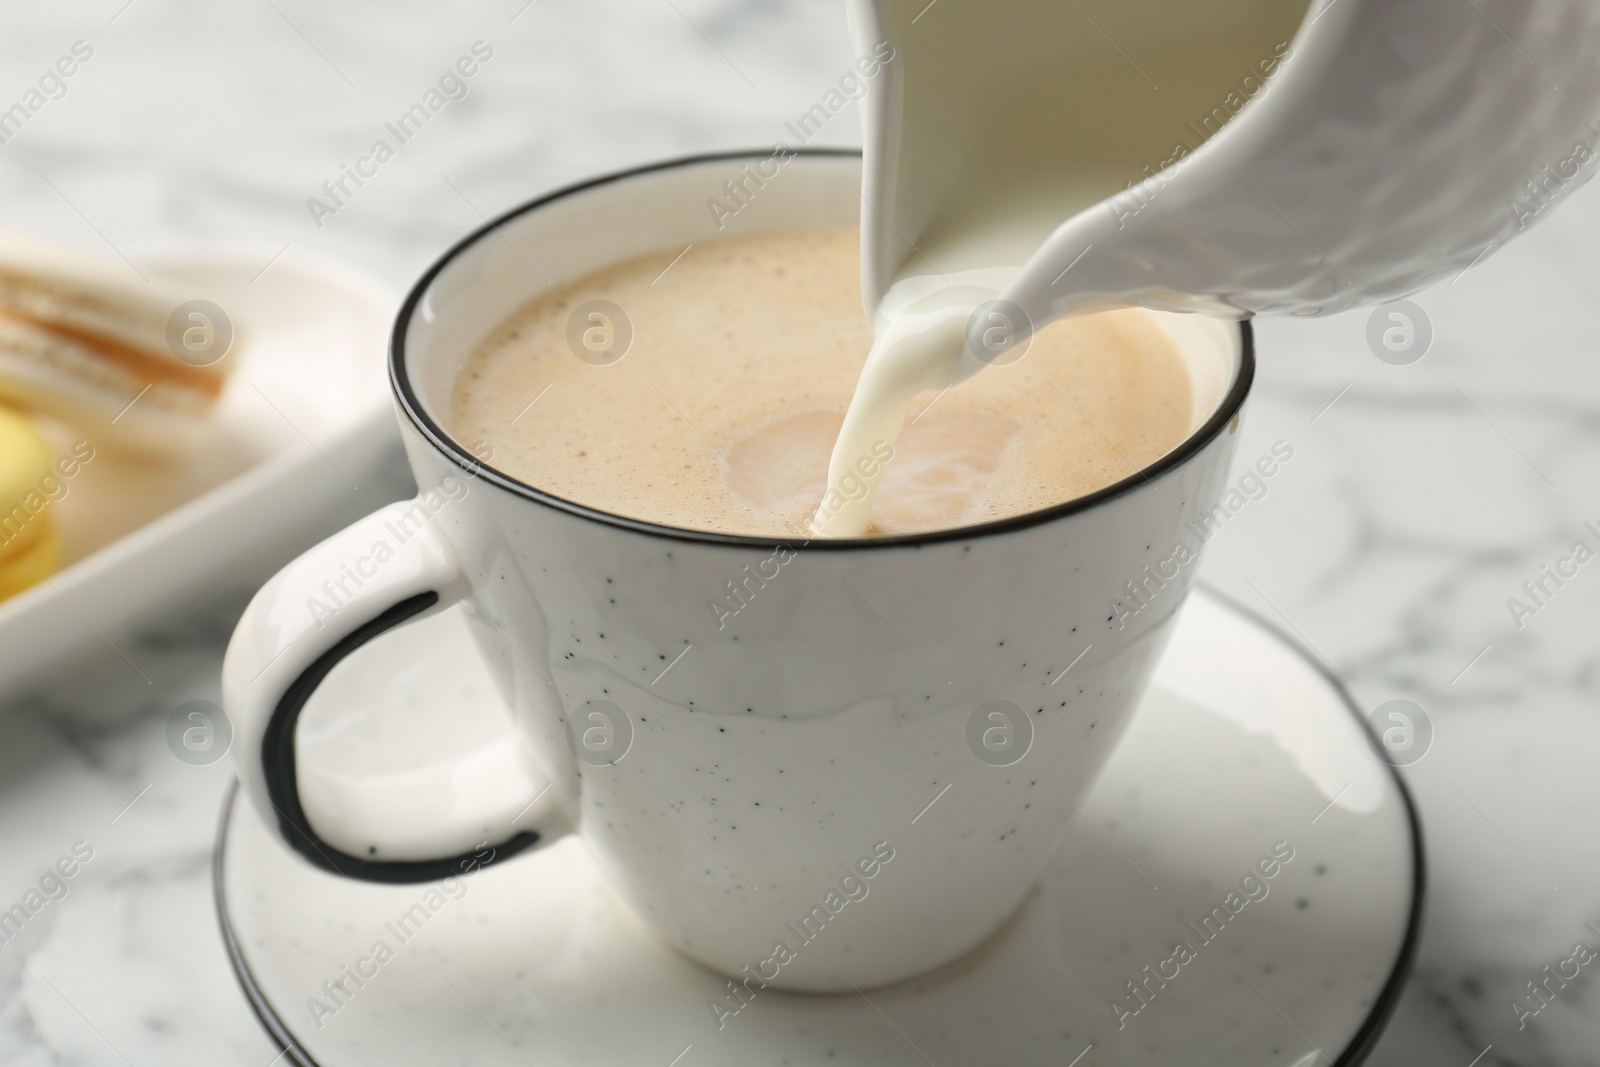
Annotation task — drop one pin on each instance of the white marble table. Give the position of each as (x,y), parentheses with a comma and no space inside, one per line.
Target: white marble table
(1414,507)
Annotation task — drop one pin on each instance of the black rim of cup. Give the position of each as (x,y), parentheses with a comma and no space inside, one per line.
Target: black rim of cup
(457,453)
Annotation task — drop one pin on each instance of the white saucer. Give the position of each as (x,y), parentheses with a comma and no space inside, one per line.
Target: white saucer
(1242,743)
(303,442)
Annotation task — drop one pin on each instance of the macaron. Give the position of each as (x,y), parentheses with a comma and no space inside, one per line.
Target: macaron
(29,548)
(133,363)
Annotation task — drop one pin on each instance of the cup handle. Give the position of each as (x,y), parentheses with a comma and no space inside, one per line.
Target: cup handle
(296,629)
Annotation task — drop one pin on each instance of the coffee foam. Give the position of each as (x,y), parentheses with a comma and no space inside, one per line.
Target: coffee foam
(743,358)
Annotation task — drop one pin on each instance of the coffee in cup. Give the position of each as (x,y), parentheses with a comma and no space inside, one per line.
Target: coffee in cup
(704,390)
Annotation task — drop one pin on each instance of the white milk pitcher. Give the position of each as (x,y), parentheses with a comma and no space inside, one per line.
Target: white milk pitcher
(1029,159)
(1233,157)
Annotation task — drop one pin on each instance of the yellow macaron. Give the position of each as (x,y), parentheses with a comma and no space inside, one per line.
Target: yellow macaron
(29,548)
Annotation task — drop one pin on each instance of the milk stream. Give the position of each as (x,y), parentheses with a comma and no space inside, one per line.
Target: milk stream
(919,345)
(1007,152)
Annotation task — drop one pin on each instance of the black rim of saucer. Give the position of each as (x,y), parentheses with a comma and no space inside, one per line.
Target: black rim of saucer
(412,408)
(1356,1052)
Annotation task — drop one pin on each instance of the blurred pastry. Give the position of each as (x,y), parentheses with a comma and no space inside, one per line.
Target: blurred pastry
(29,549)
(132,363)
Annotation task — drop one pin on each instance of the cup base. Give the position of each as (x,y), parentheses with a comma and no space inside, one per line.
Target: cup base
(1156,936)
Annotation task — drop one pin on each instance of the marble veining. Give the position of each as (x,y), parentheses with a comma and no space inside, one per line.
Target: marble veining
(1419,501)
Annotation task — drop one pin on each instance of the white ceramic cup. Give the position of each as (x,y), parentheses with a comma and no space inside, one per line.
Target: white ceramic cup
(854,778)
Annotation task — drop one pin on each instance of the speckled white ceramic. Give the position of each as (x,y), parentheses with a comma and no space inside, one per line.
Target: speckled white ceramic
(1241,746)
(740,780)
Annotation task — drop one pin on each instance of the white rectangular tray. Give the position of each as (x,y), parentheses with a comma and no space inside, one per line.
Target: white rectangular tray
(305,443)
